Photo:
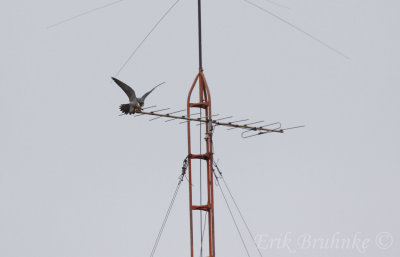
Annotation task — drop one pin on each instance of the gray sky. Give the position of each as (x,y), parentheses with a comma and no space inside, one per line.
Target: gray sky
(77,180)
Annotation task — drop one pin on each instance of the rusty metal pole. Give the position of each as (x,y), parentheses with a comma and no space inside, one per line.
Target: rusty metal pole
(207,156)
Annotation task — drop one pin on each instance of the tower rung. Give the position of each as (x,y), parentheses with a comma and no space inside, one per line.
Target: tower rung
(203,105)
(201,207)
(200,156)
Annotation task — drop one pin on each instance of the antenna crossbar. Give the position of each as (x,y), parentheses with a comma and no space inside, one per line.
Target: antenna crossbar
(214,122)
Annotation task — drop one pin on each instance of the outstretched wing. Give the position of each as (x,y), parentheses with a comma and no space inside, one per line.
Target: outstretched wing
(148,93)
(127,89)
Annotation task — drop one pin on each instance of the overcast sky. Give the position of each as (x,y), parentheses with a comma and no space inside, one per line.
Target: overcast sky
(77,180)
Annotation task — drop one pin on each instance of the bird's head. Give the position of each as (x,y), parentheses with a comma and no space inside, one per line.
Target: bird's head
(140,102)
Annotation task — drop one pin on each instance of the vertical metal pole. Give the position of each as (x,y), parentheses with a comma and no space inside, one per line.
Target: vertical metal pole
(190,169)
(200,36)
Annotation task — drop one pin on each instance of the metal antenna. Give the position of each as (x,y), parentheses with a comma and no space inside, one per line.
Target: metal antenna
(200,35)
(168,114)
(248,127)
(248,124)
(209,123)
(205,155)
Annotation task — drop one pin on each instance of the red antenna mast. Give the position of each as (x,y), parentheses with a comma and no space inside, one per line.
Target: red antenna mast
(204,103)
(206,124)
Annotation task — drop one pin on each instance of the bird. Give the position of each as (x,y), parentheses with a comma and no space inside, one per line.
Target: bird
(135,104)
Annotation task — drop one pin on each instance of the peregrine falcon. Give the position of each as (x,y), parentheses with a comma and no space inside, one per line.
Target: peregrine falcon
(135,104)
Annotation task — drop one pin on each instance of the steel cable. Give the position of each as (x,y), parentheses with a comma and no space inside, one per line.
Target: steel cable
(184,167)
(84,13)
(233,217)
(148,34)
(238,209)
(298,29)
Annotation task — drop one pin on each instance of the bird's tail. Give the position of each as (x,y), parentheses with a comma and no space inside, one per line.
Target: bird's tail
(125,108)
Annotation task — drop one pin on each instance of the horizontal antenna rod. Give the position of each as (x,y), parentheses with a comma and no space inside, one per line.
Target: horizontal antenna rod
(216,122)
